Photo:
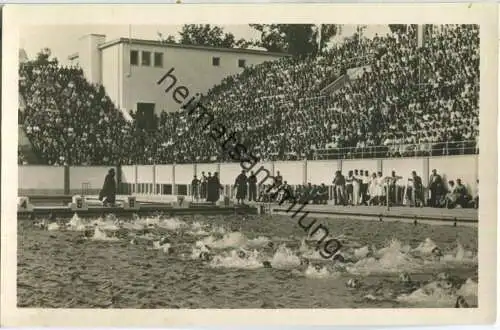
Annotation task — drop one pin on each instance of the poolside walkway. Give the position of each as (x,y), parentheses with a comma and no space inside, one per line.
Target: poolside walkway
(398,212)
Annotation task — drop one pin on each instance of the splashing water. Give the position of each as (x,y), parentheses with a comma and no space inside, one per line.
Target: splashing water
(258,242)
(100,235)
(230,240)
(391,259)
(322,272)
(251,260)
(53,226)
(172,224)
(76,224)
(284,258)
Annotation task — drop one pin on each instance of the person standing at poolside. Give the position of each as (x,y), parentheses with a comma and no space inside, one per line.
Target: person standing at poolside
(108,192)
(356,188)
(252,182)
(195,189)
(203,186)
(241,185)
(213,188)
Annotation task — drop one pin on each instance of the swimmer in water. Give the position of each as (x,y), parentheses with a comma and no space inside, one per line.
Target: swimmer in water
(267,264)
(461,302)
(353,283)
(205,256)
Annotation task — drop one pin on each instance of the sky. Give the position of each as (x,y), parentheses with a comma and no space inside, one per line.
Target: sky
(62,40)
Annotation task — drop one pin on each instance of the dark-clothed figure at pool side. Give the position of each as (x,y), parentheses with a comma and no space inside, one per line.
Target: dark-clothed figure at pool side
(213,188)
(108,191)
(241,185)
(203,186)
(195,189)
(252,183)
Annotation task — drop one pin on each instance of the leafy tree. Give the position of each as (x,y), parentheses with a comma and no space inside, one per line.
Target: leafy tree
(43,57)
(295,39)
(206,35)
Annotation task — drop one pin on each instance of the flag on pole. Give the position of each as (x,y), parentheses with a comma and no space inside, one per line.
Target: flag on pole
(318,38)
(420,35)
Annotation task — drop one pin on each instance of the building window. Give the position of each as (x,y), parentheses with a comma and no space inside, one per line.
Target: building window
(241,63)
(215,61)
(159,60)
(146,58)
(134,57)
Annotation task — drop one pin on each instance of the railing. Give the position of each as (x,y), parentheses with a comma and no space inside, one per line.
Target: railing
(404,150)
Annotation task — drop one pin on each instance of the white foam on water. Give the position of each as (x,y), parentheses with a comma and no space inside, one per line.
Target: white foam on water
(433,294)
(172,224)
(100,235)
(197,249)
(165,247)
(284,258)
(147,222)
(362,252)
(230,240)
(218,230)
(469,288)
(459,255)
(391,259)
(132,226)
(426,247)
(53,226)
(76,224)
(322,272)
(251,260)
(198,229)
(258,242)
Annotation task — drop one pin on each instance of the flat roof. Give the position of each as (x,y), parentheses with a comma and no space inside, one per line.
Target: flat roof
(172,45)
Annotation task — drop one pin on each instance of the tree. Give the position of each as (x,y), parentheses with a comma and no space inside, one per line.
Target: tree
(206,35)
(43,57)
(295,39)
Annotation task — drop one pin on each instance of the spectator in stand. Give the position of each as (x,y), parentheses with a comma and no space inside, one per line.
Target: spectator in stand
(408,101)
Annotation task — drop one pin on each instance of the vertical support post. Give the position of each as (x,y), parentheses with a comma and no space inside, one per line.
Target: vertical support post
(66,180)
(174,188)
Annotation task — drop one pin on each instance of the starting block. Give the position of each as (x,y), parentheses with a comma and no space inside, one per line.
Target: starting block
(23,204)
(226,201)
(131,203)
(78,203)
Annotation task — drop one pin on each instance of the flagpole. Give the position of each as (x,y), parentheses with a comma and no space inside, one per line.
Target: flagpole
(130,48)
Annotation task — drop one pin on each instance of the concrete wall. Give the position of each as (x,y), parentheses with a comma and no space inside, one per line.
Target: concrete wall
(149,179)
(192,68)
(46,180)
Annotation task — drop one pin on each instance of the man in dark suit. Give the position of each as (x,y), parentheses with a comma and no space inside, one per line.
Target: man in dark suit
(252,182)
(108,191)
(436,188)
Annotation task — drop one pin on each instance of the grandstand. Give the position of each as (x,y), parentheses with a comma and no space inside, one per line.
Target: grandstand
(380,97)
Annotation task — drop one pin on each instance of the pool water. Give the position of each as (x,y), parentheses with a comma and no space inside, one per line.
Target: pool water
(155,263)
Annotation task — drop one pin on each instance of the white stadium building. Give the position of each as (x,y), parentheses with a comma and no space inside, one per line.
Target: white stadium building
(130,68)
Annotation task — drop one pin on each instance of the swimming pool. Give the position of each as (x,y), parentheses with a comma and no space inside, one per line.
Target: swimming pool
(121,263)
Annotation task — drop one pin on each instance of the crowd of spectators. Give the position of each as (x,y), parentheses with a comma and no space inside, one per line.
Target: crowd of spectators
(406,95)
(359,187)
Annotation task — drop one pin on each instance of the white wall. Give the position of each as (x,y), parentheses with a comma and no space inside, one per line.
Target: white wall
(321,171)
(111,73)
(192,68)
(94,175)
(50,179)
